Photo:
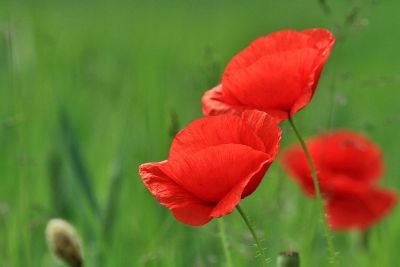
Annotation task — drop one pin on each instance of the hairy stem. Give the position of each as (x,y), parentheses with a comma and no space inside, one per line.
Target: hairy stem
(328,234)
(263,258)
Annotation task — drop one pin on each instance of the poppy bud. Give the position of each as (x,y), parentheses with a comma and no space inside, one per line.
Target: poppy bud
(289,259)
(64,242)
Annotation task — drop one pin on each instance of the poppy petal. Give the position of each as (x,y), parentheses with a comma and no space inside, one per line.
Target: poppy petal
(322,40)
(231,200)
(282,41)
(185,207)
(295,163)
(349,153)
(266,128)
(210,174)
(256,77)
(194,214)
(241,190)
(214,104)
(359,211)
(282,87)
(256,180)
(340,158)
(211,131)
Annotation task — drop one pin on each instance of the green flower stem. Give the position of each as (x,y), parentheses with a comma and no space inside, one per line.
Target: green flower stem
(364,239)
(263,258)
(221,229)
(329,238)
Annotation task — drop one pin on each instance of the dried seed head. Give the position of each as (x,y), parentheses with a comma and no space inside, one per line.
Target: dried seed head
(64,242)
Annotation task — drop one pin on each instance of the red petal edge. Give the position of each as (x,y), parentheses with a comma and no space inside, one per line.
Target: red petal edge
(212,173)
(267,129)
(212,131)
(232,199)
(321,40)
(214,104)
(185,207)
(295,163)
(360,211)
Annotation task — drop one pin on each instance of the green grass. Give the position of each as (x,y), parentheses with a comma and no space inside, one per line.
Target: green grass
(117,72)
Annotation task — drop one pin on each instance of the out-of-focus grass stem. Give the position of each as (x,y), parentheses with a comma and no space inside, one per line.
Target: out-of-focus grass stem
(77,163)
(364,239)
(225,247)
(111,205)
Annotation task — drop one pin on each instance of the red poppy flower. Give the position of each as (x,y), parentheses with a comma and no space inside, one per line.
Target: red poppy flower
(213,164)
(348,166)
(360,208)
(277,73)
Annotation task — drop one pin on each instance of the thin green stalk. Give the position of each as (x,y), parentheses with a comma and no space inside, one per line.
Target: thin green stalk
(364,239)
(329,238)
(221,229)
(263,258)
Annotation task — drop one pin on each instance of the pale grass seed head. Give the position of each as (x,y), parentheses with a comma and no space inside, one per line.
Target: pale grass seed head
(64,242)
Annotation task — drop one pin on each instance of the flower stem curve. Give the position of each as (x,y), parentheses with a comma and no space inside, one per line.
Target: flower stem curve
(332,252)
(261,252)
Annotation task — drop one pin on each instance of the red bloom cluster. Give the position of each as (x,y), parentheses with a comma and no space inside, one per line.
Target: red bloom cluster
(277,73)
(218,160)
(213,164)
(348,166)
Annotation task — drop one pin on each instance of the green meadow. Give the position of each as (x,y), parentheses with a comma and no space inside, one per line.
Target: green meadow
(91,89)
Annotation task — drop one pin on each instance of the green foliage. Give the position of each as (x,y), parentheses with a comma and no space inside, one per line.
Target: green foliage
(127,76)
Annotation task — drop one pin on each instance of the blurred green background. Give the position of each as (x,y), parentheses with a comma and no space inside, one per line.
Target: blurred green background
(91,89)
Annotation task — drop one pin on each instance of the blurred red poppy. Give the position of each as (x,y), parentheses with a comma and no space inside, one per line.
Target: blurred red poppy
(277,73)
(213,163)
(348,166)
